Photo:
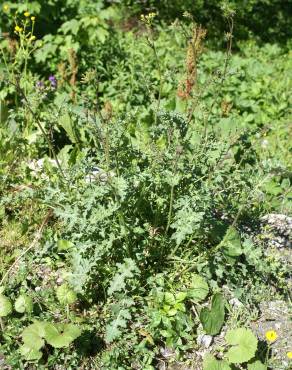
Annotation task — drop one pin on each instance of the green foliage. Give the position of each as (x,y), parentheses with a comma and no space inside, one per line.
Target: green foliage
(210,363)
(23,304)
(33,335)
(61,335)
(212,319)
(125,271)
(65,295)
(231,243)
(244,345)
(140,199)
(256,365)
(198,289)
(64,245)
(5,306)
(57,335)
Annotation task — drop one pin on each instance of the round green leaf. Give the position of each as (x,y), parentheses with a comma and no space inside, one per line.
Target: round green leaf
(244,344)
(66,295)
(211,363)
(61,335)
(199,288)
(23,304)
(30,354)
(5,306)
(32,336)
(64,245)
(256,365)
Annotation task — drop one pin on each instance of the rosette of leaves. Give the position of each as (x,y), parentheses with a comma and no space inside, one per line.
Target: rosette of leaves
(66,295)
(23,304)
(61,335)
(243,345)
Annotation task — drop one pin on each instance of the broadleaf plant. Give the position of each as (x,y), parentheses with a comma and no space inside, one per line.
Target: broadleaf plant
(211,363)
(61,335)
(198,289)
(244,345)
(23,304)
(212,319)
(5,306)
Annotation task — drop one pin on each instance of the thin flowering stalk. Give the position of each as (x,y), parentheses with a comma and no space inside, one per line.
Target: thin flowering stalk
(147,20)
(35,116)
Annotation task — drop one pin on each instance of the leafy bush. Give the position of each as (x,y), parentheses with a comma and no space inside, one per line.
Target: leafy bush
(134,191)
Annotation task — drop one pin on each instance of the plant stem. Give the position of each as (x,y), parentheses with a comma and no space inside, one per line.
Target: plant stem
(170,208)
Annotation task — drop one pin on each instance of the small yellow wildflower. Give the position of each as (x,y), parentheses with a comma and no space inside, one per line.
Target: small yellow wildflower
(5,8)
(289,355)
(32,18)
(32,38)
(271,335)
(26,14)
(148,18)
(17,29)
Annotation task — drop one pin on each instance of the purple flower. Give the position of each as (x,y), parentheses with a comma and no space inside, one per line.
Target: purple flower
(53,81)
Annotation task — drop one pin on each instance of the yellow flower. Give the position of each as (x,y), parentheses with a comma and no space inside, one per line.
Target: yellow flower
(271,336)
(26,14)
(289,355)
(5,8)
(32,38)
(17,29)
(32,18)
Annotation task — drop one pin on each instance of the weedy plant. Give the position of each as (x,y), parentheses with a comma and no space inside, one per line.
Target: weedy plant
(147,209)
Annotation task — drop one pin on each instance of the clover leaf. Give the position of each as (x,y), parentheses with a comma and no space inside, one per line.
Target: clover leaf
(5,306)
(211,363)
(61,335)
(212,319)
(66,295)
(23,304)
(33,335)
(244,344)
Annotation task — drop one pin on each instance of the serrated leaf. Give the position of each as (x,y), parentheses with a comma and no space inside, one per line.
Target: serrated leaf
(5,306)
(65,295)
(113,331)
(211,363)
(256,365)
(126,271)
(61,335)
(32,335)
(212,319)
(30,354)
(23,304)
(199,288)
(244,344)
